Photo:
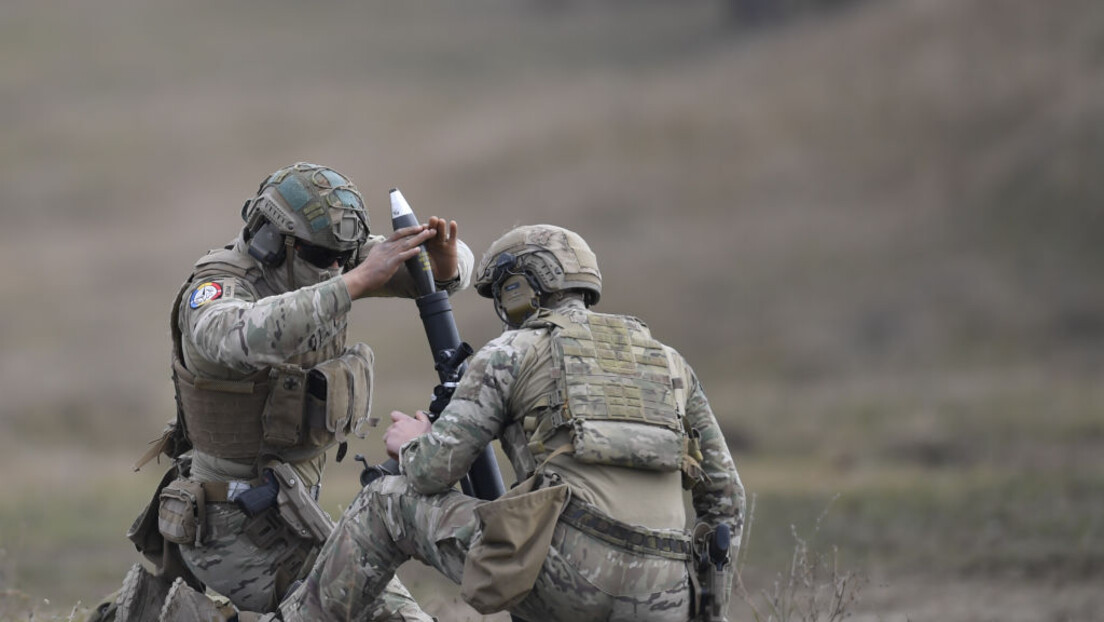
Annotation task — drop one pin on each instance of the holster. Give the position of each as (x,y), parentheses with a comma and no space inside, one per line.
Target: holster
(713,584)
(297,505)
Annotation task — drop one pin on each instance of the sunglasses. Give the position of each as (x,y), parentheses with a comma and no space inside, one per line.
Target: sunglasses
(322,257)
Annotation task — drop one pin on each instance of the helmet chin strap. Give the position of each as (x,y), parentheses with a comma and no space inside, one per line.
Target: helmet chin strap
(289,259)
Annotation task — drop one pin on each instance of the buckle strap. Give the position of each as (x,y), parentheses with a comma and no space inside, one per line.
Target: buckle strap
(587,519)
(226,492)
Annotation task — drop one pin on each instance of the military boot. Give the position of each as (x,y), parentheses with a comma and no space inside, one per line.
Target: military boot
(184,604)
(141,596)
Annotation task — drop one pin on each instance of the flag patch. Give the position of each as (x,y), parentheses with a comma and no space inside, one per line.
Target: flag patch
(204,293)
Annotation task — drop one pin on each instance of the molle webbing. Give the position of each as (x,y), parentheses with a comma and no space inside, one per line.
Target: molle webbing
(614,370)
(223,417)
(616,391)
(226,418)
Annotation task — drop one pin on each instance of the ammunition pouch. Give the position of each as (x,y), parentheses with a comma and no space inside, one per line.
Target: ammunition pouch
(282,418)
(182,512)
(347,399)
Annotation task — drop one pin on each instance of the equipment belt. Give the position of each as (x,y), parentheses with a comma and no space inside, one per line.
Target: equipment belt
(587,519)
(226,492)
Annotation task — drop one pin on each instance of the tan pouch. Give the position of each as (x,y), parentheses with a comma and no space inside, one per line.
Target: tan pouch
(143,532)
(627,444)
(181,512)
(504,560)
(348,380)
(282,419)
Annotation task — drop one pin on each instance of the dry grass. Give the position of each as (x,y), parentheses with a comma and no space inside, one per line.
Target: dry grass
(814,587)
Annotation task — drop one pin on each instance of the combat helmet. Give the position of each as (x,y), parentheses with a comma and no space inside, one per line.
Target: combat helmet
(312,204)
(531,261)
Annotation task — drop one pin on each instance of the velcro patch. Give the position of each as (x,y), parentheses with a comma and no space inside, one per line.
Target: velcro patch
(204,293)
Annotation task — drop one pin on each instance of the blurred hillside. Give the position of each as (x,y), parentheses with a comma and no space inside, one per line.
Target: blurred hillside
(876,231)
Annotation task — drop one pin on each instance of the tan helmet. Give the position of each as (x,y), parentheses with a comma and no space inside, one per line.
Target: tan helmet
(312,203)
(554,258)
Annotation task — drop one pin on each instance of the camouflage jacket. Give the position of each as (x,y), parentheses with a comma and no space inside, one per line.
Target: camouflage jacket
(509,378)
(233,326)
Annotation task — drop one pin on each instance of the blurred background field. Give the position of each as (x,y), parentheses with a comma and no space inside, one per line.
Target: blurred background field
(875,228)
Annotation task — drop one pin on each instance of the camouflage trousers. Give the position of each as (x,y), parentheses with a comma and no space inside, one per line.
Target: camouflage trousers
(582,579)
(252,564)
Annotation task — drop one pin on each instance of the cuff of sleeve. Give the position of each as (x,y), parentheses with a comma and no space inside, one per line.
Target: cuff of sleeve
(449,285)
(402,450)
(340,293)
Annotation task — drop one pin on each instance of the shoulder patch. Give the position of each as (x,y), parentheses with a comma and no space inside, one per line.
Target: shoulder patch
(204,293)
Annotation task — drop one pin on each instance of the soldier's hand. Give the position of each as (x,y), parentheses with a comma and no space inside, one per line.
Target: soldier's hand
(385,258)
(404,428)
(442,249)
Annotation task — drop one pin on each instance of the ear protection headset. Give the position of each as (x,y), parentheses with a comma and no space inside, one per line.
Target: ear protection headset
(516,292)
(267,245)
(266,242)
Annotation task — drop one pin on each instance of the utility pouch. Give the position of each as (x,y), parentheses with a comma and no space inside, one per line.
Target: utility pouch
(297,505)
(181,512)
(143,532)
(507,555)
(627,444)
(347,394)
(282,418)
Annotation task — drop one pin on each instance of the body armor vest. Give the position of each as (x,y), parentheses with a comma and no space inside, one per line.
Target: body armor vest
(294,411)
(617,393)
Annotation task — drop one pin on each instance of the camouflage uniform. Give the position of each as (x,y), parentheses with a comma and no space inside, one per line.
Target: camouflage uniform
(585,576)
(237,321)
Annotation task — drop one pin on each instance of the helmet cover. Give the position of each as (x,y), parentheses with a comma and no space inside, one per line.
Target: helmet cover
(312,203)
(557,259)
